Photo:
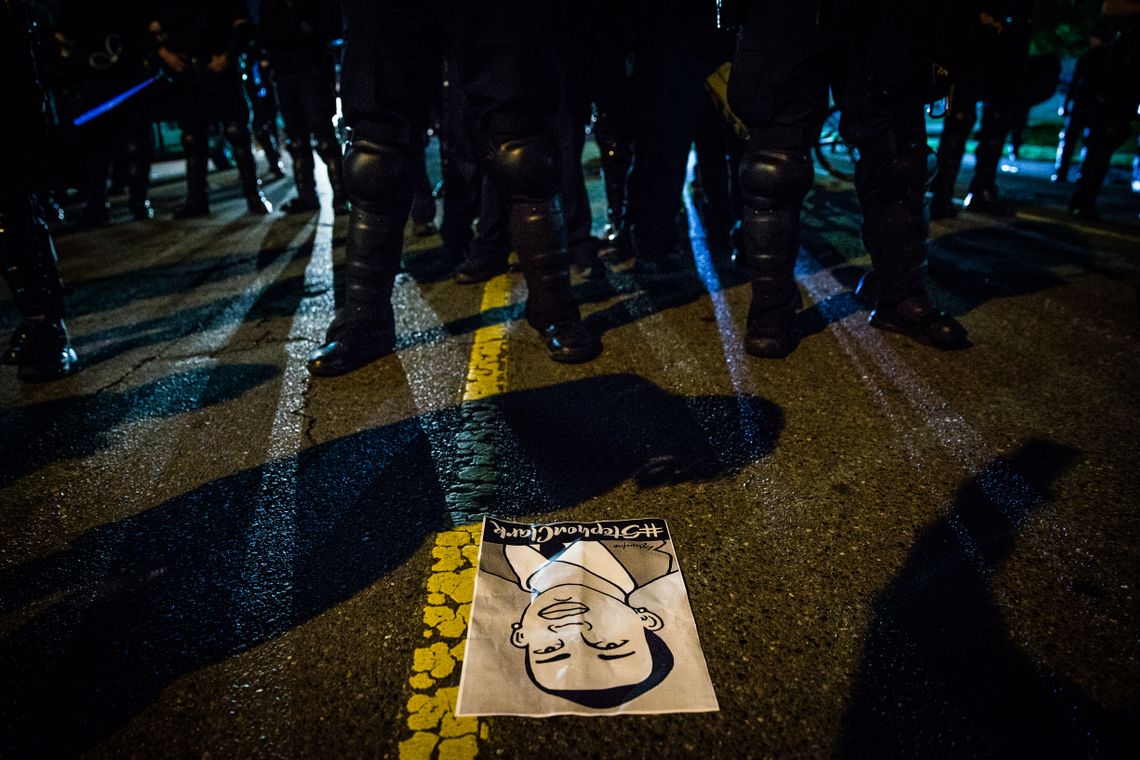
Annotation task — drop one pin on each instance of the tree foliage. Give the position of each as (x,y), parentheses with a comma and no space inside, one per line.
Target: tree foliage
(1063,26)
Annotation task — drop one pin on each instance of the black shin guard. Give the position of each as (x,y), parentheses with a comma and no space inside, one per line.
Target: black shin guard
(773,183)
(891,179)
(378,178)
(526,171)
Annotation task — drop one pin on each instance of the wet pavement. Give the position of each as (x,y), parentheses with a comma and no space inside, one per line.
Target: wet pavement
(890,551)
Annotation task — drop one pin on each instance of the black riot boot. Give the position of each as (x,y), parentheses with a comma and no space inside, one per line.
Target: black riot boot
(237,134)
(378,178)
(951,149)
(774,184)
(195,148)
(40,347)
(330,153)
(891,178)
(526,171)
(306,201)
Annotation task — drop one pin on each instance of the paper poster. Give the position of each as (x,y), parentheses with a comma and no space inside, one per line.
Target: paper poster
(581,619)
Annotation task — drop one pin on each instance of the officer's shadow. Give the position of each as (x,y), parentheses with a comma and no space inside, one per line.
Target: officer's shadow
(131,606)
(940,676)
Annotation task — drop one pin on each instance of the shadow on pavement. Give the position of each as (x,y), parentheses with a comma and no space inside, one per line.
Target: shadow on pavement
(967,268)
(940,676)
(131,606)
(280,299)
(38,435)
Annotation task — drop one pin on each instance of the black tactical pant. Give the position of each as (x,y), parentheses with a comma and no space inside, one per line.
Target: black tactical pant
(503,55)
(790,56)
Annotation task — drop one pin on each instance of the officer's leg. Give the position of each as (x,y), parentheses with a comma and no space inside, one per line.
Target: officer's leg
(462,178)
(526,171)
(673,56)
(265,124)
(951,148)
(1067,138)
(779,89)
(774,182)
(491,244)
(1105,136)
(378,178)
(237,135)
(290,96)
(228,101)
(140,152)
(321,101)
(40,348)
(570,133)
(891,176)
(378,173)
(982,194)
(610,88)
(99,154)
(503,53)
(613,134)
(195,147)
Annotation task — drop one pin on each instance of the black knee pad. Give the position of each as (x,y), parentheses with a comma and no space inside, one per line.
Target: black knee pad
(377,177)
(527,168)
(775,178)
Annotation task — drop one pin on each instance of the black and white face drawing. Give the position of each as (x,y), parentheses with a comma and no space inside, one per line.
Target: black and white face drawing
(581,618)
(582,639)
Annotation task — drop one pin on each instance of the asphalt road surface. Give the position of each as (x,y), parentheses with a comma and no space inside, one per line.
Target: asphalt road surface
(890,551)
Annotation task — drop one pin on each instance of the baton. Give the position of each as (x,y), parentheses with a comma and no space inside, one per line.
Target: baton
(99,110)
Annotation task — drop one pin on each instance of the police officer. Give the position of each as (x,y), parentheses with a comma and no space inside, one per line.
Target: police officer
(991,72)
(872,56)
(297,36)
(40,347)
(502,51)
(200,42)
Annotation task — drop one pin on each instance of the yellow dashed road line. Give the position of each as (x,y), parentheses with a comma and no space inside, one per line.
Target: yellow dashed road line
(435,731)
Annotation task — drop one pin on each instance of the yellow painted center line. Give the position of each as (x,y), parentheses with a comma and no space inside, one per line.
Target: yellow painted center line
(435,731)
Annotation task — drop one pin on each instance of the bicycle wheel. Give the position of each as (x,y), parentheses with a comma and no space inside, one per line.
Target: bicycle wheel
(832,151)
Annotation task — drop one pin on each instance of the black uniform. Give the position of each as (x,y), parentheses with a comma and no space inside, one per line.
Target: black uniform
(876,60)
(297,37)
(40,347)
(502,51)
(199,31)
(990,72)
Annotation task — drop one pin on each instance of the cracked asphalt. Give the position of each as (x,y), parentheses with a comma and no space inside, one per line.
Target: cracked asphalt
(890,551)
